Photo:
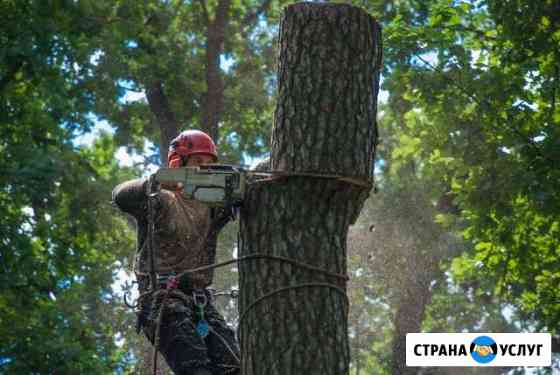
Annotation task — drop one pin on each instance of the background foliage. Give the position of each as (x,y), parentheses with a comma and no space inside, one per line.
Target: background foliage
(464,233)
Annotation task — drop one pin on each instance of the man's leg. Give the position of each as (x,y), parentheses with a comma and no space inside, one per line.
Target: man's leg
(223,349)
(183,349)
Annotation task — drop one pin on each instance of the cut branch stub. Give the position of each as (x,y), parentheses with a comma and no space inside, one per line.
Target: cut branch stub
(328,79)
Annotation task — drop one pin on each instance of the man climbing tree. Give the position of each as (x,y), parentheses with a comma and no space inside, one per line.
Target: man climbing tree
(176,234)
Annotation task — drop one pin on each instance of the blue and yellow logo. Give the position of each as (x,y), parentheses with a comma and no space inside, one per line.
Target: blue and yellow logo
(483,349)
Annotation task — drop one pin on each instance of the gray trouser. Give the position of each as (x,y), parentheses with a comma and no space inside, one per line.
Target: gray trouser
(182,347)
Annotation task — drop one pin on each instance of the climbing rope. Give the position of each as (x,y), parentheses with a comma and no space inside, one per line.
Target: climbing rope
(288,288)
(224,341)
(241,259)
(152,194)
(171,291)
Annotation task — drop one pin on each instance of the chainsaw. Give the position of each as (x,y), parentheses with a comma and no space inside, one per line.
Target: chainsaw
(215,185)
(220,185)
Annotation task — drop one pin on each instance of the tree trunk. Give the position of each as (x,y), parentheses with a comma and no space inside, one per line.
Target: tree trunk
(408,319)
(294,320)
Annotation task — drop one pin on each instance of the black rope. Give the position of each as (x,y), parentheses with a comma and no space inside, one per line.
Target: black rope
(287,288)
(224,341)
(265,256)
(249,257)
(151,230)
(161,311)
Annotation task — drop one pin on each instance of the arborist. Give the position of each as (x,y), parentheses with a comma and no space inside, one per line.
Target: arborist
(177,234)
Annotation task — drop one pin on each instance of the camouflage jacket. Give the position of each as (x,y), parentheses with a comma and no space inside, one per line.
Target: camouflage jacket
(184,236)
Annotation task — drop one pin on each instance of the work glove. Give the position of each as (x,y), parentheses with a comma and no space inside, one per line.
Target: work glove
(220,216)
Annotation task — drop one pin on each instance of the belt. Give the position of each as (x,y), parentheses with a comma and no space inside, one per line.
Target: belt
(164,278)
(169,281)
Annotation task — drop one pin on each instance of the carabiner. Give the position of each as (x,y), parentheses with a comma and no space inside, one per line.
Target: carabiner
(202,296)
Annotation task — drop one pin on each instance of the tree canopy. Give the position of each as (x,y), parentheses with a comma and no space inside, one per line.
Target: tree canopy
(467,214)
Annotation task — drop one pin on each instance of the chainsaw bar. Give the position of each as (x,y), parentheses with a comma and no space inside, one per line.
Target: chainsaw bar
(220,185)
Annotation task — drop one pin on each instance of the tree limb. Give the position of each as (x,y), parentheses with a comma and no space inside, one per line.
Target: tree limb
(214,96)
(159,105)
(484,103)
(10,75)
(253,16)
(205,12)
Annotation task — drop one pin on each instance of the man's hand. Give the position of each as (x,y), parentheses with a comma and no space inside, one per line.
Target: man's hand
(221,216)
(173,186)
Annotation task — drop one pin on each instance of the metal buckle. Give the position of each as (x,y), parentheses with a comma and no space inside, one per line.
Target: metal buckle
(162,278)
(200,299)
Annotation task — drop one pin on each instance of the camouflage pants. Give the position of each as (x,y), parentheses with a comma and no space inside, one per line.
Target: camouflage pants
(182,347)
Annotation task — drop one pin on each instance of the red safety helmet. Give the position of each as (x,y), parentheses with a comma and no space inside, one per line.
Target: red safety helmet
(188,143)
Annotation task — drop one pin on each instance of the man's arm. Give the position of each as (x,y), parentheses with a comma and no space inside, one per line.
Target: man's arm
(219,217)
(131,197)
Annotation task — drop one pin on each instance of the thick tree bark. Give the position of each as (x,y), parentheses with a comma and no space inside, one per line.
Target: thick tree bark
(327,85)
(294,320)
